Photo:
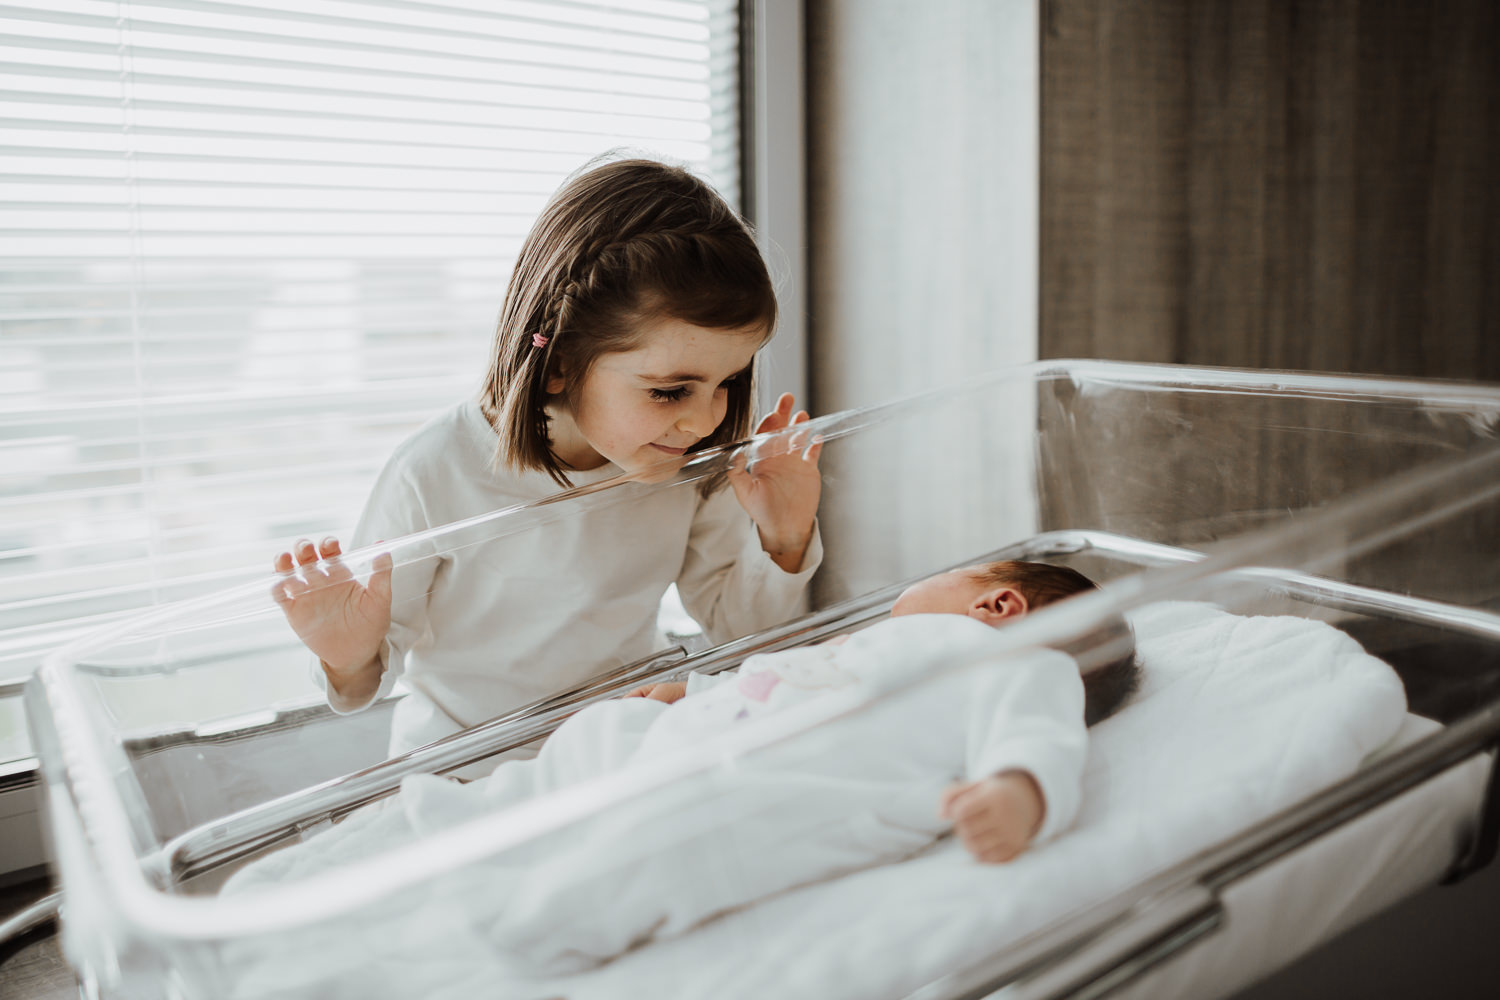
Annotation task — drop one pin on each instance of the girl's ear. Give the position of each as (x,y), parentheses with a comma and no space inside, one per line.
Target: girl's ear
(995,606)
(554,382)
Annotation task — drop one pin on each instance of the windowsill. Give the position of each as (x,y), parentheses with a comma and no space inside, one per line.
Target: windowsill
(19,773)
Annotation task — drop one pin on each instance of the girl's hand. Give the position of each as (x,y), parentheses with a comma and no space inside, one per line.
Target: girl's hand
(996,817)
(780,486)
(340,620)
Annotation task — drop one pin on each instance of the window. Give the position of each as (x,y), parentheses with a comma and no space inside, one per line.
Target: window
(248,247)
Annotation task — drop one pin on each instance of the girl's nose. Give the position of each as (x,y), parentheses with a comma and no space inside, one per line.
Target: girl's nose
(698,418)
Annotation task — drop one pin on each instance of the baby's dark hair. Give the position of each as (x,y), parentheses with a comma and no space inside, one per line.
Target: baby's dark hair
(618,245)
(1107,686)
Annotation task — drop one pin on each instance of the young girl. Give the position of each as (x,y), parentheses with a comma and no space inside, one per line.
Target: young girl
(628,336)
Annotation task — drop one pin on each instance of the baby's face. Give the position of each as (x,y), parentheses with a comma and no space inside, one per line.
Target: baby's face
(950,593)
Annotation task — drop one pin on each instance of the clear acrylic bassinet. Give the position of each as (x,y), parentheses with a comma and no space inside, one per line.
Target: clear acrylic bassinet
(180,746)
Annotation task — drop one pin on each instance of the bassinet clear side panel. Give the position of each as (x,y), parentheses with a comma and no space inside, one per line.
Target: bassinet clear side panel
(194,744)
(1188,457)
(216,707)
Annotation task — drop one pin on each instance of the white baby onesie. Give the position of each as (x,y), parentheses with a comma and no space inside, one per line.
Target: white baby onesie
(897,713)
(860,789)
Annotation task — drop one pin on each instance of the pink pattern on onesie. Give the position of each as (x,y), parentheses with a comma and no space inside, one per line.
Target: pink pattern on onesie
(757,686)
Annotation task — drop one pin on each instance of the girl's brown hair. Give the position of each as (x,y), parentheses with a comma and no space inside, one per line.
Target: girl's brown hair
(618,245)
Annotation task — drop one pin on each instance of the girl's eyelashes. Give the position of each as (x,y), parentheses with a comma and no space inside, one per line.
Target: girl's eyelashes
(680,392)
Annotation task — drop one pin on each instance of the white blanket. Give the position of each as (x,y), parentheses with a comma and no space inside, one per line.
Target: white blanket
(1238,718)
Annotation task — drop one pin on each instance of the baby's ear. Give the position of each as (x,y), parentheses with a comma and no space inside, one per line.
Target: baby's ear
(996,606)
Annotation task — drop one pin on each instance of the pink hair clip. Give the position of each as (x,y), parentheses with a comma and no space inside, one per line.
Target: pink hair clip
(539,339)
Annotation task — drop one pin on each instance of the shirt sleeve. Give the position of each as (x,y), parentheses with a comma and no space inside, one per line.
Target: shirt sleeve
(1027,715)
(393,510)
(728,583)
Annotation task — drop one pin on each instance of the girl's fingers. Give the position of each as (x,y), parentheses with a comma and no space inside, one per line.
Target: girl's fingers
(778,417)
(380,577)
(813,450)
(333,571)
(287,589)
(303,552)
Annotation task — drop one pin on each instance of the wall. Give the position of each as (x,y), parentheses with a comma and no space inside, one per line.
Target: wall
(922,132)
(922,208)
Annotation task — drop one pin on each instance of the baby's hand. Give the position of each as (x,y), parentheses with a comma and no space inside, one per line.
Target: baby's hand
(780,485)
(667,691)
(340,620)
(995,817)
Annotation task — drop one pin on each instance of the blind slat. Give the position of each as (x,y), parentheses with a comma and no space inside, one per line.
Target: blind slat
(502,95)
(579,78)
(671,62)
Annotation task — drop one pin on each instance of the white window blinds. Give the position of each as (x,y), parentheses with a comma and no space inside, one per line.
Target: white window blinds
(247,247)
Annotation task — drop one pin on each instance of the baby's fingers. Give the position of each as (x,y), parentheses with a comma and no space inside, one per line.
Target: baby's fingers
(994,848)
(950,798)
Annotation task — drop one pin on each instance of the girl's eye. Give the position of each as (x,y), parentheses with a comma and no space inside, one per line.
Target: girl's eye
(670,395)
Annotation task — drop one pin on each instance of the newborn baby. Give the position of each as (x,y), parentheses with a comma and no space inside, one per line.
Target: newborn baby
(978,737)
(997,814)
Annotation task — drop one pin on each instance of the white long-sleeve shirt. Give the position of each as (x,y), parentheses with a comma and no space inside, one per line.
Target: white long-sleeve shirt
(504,621)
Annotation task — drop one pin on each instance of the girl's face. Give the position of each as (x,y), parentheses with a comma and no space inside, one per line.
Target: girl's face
(640,407)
